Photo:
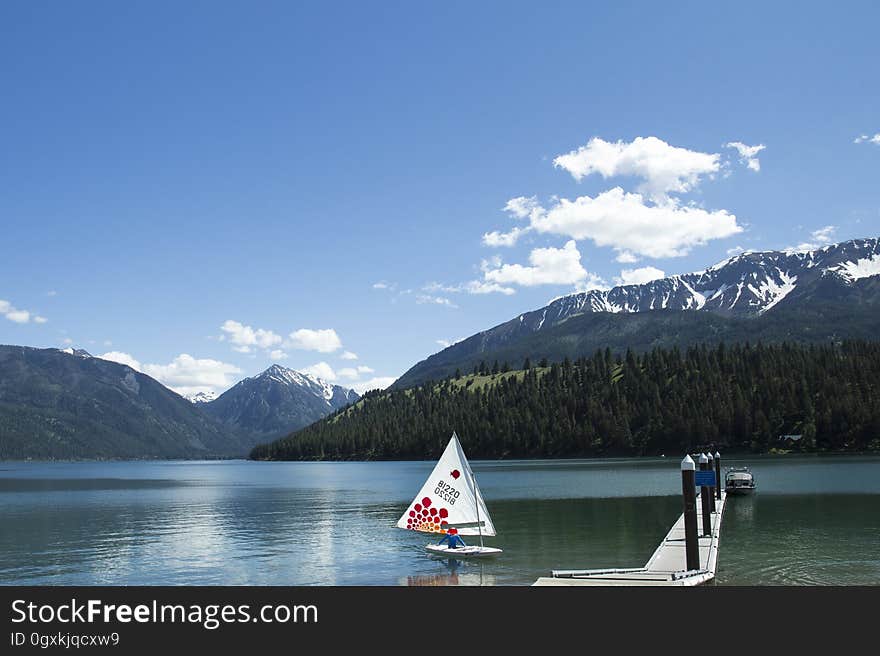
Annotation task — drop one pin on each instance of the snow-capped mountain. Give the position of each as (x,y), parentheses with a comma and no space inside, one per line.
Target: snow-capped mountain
(80,353)
(277,402)
(201,397)
(744,285)
(688,308)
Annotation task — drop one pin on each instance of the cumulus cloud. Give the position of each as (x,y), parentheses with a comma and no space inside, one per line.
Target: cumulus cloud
(16,315)
(549,266)
(277,354)
(379,382)
(521,206)
(324,340)
(348,355)
(639,276)
(321,370)
(747,154)
(122,358)
(664,168)
(818,238)
(245,338)
(625,257)
(353,373)
(864,138)
(625,222)
(385,285)
(188,375)
(496,238)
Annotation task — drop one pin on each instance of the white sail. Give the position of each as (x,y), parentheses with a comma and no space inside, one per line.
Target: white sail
(450,498)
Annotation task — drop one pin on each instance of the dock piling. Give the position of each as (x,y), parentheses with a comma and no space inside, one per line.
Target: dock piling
(704,497)
(711,468)
(689,494)
(717,475)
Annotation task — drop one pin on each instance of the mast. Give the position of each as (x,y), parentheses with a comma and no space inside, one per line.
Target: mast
(473,489)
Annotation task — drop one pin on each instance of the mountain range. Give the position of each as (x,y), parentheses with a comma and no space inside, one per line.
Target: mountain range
(819,295)
(67,404)
(276,402)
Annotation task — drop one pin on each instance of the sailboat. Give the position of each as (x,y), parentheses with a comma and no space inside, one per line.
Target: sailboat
(450,503)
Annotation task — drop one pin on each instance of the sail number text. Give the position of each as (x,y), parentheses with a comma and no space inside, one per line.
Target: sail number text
(446,492)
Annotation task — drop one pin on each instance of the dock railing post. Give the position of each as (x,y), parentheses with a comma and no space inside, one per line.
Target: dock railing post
(704,497)
(711,468)
(689,494)
(717,475)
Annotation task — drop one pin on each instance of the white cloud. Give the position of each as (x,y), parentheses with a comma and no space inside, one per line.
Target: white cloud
(549,266)
(122,358)
(736,250)
(321,370)
(384,285)
(427,299)
(277,354)
(495,238)
(67,341)
(188,375)
(473,286)
(16,315)
(747,154)
(625,257)
(624,222)
(665,169)
(521,207)
(348,355)
(245,337)
(379,382)
(818,238)
(864,138)
(365,370)
(348,372)
(323,340)
(639,276)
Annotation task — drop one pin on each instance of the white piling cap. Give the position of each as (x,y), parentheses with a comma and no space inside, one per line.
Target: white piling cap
(709,455)
(717,455)
(703,458)
(687,464)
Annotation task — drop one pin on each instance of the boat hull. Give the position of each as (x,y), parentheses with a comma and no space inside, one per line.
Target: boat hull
(739,491)
(462,552)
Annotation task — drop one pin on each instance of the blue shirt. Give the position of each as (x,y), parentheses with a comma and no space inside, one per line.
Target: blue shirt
(454,540)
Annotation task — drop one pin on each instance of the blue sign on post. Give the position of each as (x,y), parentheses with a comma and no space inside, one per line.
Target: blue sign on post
(705,478)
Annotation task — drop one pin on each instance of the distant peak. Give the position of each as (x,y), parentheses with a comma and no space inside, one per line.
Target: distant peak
(80,353)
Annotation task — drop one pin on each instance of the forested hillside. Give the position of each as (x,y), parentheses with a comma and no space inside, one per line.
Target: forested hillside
(741,397)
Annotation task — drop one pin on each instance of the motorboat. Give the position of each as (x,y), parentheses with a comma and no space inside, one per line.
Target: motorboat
(739,481)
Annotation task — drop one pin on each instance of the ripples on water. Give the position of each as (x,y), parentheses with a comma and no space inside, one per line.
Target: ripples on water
(813,521)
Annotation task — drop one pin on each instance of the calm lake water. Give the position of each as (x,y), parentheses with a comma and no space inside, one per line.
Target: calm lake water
(814,520)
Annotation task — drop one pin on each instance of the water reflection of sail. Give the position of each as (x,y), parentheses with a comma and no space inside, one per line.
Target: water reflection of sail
(459,573)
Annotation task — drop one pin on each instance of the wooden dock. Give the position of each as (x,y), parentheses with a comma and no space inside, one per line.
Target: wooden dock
(667,566)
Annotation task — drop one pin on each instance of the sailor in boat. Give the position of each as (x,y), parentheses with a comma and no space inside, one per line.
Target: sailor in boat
(453,539)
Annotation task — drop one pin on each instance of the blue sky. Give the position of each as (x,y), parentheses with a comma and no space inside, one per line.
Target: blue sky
(305,180)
